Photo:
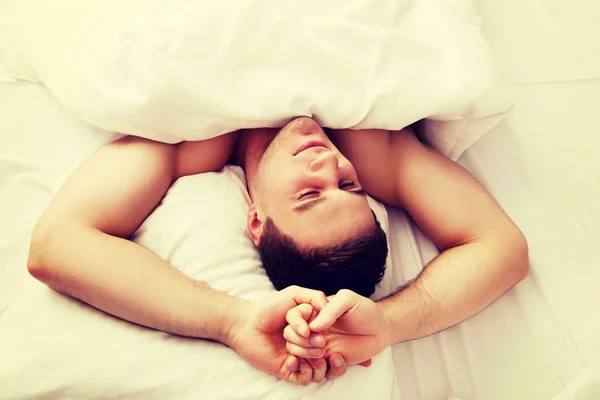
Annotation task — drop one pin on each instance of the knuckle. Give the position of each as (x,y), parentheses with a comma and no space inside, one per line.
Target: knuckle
(291,289)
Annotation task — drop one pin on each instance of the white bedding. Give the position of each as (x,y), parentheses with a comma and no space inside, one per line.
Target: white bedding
(545,331)
(214,66)
(541,164)
(542,339)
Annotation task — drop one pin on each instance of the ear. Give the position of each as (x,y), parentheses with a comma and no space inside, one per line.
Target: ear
(255,225)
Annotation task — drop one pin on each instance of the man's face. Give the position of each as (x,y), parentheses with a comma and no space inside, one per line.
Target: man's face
(309,190)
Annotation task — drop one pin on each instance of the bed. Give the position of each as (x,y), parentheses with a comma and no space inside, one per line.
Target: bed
(539,341)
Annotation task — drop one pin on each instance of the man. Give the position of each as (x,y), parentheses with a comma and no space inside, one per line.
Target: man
(298,182)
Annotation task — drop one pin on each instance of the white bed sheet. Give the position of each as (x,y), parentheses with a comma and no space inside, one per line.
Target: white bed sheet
(541,164)
(546,330)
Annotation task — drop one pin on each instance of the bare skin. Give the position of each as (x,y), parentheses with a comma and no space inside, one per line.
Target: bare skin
(79,245)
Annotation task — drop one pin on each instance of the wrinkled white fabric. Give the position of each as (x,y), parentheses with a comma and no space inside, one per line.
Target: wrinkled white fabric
(174,70)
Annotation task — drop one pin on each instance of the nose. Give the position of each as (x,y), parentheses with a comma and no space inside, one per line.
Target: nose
(326,165)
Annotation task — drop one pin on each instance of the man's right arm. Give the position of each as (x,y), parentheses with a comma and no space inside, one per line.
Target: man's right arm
(79,245)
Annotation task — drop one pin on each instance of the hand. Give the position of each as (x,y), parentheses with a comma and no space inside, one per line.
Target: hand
(350,324)
(259,340)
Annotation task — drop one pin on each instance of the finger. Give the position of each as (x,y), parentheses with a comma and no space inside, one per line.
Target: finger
(337,366)
(292,363)
(303,352)
(366,364)
(337,306)
(302,295)
(305,374)
(314,340)
(312,317)
(297,317)
(319,366)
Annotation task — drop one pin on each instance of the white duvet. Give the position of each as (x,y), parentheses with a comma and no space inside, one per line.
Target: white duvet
(173,70)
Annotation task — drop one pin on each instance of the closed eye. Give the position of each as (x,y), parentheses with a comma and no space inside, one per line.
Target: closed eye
(307,193)
(311,192)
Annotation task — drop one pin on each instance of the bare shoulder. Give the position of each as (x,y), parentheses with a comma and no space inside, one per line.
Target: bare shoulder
(357,144)
(376,155)
(205,156)
(353,142)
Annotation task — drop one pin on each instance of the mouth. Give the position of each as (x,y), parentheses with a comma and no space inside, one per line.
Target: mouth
(308,145)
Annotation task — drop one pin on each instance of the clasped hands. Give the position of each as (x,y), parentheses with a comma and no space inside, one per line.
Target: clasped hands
(302,336)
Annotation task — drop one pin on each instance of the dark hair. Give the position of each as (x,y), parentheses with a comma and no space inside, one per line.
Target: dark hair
(357,264)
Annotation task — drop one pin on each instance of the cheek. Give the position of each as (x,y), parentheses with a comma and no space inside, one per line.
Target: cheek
(284,170)
(281,177)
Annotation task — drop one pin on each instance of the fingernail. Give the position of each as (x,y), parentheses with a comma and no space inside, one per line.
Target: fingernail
(315,352)
(317,341)
(337,361)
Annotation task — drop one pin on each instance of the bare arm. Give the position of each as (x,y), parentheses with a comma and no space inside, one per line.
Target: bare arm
(79,245)
(483,251)
(79,248)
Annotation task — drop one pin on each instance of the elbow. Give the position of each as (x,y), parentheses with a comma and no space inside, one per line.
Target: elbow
(36,265)
(517,250)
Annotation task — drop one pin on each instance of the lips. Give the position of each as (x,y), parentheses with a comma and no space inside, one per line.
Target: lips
(308,145)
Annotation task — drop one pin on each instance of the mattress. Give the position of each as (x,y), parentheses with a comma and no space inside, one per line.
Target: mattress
(541,339)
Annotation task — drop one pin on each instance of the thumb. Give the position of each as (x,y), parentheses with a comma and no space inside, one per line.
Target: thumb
(336,307)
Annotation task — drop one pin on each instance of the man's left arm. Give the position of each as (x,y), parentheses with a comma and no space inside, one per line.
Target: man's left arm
(483,253)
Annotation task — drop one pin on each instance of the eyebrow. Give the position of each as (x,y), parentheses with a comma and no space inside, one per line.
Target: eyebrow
(312,203)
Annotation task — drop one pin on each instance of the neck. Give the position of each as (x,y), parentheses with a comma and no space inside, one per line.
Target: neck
(250,148)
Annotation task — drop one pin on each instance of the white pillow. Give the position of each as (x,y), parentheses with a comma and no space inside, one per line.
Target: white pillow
(188,70)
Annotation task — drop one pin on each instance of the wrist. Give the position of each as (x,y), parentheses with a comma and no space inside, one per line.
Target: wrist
(407,314)
(233,321)
(386,334)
